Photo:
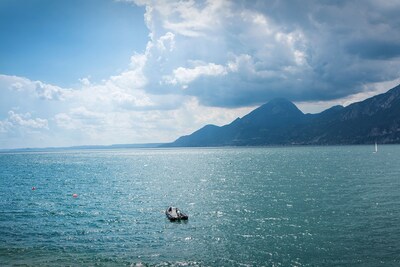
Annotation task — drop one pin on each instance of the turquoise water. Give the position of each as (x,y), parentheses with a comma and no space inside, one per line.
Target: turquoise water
(280,206)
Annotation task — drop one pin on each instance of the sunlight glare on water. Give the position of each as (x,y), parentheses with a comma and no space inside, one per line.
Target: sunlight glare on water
(279,206)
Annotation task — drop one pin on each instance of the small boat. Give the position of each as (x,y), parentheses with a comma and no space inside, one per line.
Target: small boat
(376,148)
(174,214)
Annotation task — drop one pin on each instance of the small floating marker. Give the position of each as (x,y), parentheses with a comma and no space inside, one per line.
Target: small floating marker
(75,195)
(33,188)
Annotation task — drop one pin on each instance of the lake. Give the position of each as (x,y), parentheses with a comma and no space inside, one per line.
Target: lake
(272,206)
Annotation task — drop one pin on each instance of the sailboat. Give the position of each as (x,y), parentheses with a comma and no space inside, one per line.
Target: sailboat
(376,147)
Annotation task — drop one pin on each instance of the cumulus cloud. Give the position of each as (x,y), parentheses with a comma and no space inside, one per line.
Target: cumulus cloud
(250,52)
(185,76)
(117,110)
(23,130)
(49,92)
(19,120)
(25,120)
(40,89)
(212,61)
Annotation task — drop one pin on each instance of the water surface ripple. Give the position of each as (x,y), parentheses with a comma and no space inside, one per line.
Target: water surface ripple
(279,206)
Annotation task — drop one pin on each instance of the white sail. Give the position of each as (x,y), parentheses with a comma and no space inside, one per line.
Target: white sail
(376,147)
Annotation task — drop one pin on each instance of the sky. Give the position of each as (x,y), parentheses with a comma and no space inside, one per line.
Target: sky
(101,72)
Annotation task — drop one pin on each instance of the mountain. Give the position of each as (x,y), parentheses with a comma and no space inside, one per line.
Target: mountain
(280,122)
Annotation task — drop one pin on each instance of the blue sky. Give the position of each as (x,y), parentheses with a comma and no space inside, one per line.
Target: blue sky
(61,41)
(137,71)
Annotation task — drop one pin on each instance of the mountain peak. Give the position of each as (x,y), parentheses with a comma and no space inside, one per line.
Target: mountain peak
(276,109)
(280,122)
(278,112)
(279,106)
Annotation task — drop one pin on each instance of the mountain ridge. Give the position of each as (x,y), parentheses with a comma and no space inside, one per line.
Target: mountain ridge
(280,122)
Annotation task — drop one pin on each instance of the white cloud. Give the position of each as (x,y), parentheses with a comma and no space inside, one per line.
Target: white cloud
(302,51)
(16,83)
(188,18)
(19,120)
(83,122)
(139,126)
(24,130)
(224,44)
(224,54)
(25,120)
(49,92)
(85,81)
(185,76)
(166,42)
(37,88)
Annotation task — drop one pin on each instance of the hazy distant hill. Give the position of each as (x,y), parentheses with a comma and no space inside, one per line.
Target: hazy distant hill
(280,122)
(89,147)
